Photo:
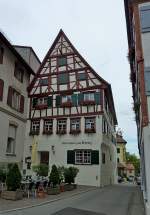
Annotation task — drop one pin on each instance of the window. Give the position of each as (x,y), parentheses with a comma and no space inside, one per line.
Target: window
(62,61)
(15,100)
(103,158)
(89,97)
(61,126)
(18,72)
(11,141)
(43,82)
(90,125)
(145,18)
(118,150)
(1,54)
(1,89)
(118,160)
(81,76)
(35,127)
(63,78)
(104,127)
(48,126)
(74,125)
(66,99)
(82,157)
(42,101)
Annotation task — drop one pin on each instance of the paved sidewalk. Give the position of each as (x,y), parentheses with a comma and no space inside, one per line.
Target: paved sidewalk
(6,205)
(136,206)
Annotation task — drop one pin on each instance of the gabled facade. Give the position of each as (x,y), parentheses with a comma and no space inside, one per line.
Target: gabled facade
(14,80)
(71,117)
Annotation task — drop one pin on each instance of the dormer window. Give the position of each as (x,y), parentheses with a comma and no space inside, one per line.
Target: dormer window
(18,72)
(1,55)
(62,61)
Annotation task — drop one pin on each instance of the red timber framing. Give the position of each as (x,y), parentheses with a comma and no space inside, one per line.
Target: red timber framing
(65,72)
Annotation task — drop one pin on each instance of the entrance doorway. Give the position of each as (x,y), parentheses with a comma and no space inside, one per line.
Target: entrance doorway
(44,158)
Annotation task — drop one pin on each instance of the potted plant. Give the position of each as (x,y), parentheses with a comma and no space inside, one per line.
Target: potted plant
(70,175)
(41,169)
(54,181)
(13,182)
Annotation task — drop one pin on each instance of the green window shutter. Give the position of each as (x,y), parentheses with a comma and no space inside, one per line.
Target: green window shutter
(50,101)
(58,101)
(74,100)
(34,102)
(63,78)
(80,97)
(70,157)
(97,98)
(95,157)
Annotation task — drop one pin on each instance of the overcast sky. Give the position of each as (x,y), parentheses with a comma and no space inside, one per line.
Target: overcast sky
(98,31)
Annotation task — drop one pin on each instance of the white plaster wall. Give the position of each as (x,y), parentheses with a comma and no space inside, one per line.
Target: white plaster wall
(88,174)
(7,114)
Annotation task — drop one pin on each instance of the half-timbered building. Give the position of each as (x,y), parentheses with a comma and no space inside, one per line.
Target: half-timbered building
(71,117)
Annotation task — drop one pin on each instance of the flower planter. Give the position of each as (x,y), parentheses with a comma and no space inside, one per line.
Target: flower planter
(53,190)
(12,195)
(69,187)
(41,194)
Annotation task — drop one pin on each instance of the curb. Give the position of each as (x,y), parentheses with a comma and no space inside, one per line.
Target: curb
(47,202)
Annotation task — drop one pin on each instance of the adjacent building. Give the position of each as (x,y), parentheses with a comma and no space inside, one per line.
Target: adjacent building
(121,154)
(14,80)
(71,117)
(138,29)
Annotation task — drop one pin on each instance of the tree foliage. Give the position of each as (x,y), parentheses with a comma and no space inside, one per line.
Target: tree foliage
(13,179)
(132,158)
(70,174)
(41,169)
(54,176)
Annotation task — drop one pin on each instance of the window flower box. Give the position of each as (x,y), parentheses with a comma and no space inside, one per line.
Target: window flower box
(77,131)
(41,106)
(61,132)
(90,130)
(46,132)
(34,132)
(88,102)
(66,104)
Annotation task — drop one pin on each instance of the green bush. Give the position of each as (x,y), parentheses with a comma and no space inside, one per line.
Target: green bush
(13,179)
(70,174)
(41,169)
(2,175)
(54,176)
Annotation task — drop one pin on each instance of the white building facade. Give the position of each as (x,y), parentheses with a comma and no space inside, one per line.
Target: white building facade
(71,117)
(14,80)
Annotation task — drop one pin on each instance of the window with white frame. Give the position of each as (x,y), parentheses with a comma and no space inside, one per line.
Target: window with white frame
(66,99)
(82,157)
(89,123)
(61,125)
(89,97)
(11,141)
(16,100)
(35,126)
(48,125)
(42,101)
(74,124)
